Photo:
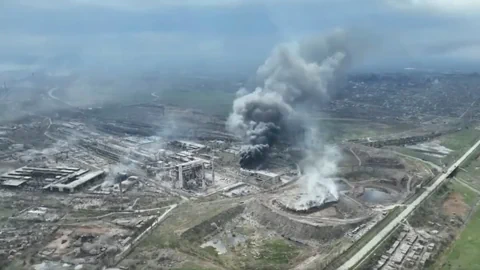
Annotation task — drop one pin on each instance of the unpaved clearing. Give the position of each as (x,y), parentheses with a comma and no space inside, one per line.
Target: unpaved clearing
(455,205)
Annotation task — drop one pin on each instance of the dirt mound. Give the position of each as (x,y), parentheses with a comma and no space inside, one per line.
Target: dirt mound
(209,226)
(294,228)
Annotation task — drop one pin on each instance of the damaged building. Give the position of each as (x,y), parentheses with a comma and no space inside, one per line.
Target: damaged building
(262,178)
(53,179)
(190,175)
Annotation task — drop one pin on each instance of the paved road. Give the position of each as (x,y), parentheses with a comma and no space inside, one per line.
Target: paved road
(375,241)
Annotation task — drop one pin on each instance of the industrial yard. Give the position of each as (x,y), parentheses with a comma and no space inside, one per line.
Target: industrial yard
(155,186)
(239,135)
(302,165)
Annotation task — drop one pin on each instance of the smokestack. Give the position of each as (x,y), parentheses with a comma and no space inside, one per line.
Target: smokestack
(213,170)
(180,175)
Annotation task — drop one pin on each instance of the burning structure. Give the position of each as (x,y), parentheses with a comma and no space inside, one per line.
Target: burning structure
(292,81)
(298,199)
(293,78)
(305,192)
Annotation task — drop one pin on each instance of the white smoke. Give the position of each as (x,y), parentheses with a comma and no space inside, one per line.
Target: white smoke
(295,76)
(317,184)
(116,169)
(241,92)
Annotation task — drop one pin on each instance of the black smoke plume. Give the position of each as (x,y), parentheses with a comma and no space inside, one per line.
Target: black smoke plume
(294,76)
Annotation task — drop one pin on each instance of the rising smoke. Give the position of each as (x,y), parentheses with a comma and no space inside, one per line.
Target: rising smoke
(319,170)
(294,78)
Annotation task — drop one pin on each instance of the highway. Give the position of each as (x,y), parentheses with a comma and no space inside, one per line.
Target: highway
(375,241)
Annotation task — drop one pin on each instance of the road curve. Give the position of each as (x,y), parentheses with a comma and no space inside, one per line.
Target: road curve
(51,94)
(375,241)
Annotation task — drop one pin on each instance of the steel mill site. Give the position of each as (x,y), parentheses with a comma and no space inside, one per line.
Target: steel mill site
(306,166)
(152,185)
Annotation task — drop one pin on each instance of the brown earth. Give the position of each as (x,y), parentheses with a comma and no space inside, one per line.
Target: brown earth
(455,205)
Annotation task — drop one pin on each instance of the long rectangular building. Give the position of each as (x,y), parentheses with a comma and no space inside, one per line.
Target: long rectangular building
(57,178)
(82,180)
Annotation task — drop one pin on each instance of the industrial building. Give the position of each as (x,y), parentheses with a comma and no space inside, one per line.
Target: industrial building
(53,179)
(71,185)
(188,146)
(260,177)
(229,155)
(190,174)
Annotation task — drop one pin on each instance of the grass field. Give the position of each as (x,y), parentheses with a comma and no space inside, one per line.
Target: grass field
(191,266)
(420,155)
(459,140)
(469,196)
(346,129)
(464,254)
(266,253)
(273,254)
(277,252)
(211,102)
(471,173)
(220,103)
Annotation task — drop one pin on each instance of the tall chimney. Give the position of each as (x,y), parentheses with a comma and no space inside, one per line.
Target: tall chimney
(180,175)
(213,169)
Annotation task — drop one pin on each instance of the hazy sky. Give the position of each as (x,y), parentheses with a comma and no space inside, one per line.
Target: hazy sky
(146,34)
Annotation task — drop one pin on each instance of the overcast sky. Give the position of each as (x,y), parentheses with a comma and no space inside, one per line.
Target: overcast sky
(149,34)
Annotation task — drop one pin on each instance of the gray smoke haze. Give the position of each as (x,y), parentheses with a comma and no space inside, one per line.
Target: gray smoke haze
(295,75)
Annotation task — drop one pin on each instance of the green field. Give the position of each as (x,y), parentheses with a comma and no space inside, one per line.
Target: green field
(211,102)
(459,140)
(277,252)
(338,129)
(417,154)
(471,173)
(191,266)
(469,196)
(464,254)
(220,103)
(264,253)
